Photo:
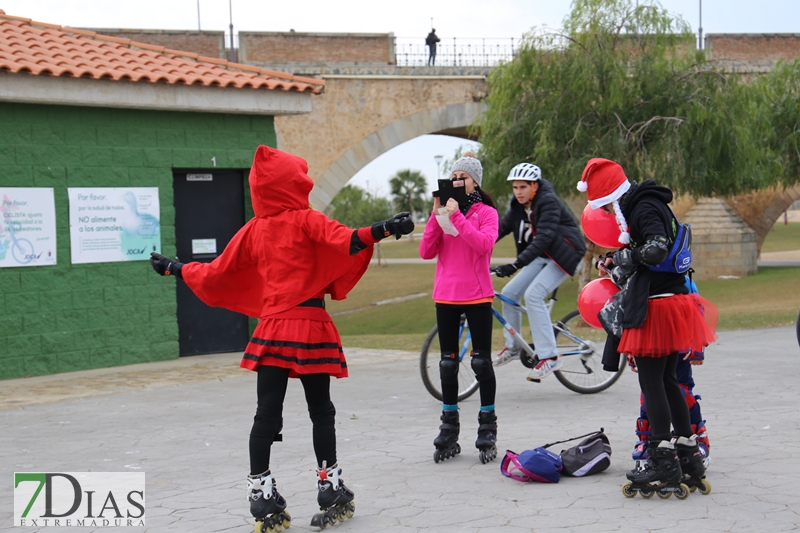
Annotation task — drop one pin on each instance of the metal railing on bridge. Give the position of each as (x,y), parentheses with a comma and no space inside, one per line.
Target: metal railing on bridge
(455,52)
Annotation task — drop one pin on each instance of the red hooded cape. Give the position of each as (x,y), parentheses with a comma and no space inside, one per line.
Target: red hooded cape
(285,255)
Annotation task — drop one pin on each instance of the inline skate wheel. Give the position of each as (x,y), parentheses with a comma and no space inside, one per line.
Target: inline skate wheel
(705,488)
(692,488)
(647,493)
(663,494)
(626,490)
(683,492)
(487,455)
(437,456)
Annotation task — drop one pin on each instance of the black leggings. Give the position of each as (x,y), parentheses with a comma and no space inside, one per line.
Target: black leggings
(663,396)
(268,421)
(479,317)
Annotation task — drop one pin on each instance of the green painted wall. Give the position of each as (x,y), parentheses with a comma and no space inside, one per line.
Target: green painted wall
(74,317)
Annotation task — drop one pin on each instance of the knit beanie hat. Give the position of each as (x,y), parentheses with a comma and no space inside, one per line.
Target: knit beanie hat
(604,182)
(469,164)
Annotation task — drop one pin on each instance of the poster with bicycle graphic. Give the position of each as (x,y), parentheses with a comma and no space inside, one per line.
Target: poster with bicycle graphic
(109,224)
(27,227)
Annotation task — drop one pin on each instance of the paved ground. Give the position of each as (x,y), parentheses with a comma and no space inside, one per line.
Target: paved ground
(185,423)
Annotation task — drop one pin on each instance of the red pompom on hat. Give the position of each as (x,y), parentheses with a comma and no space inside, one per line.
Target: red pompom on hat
(604,182)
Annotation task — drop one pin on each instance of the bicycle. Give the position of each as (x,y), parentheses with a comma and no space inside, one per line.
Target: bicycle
(21,249)
(581,356)
(798,329)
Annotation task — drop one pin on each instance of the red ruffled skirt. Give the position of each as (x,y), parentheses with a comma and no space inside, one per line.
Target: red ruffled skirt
(302,339)
(679,323)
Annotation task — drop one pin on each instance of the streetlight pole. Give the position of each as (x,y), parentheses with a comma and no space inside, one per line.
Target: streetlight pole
(438,159)
(700,29)
(230,8)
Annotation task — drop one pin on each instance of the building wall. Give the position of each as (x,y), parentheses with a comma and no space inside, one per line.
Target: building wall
(754,47)
(315,48)
(205,43)
(73,317)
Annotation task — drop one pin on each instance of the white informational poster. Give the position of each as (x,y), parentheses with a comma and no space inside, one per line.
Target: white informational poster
(27,227)
(113,224)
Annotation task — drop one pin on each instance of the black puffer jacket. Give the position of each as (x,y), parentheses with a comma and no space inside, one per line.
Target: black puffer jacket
(552,230)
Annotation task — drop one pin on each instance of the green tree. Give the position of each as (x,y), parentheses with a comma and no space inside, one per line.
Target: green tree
(356,208)
(781,91)
(409,190)
(624,81)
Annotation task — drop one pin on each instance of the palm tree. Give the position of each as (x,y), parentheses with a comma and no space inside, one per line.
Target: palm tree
(409,191)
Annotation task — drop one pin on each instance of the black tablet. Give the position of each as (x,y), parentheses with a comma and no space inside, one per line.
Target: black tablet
(452,189)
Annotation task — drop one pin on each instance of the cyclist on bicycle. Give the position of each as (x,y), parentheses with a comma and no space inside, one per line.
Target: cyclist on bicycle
(550,247)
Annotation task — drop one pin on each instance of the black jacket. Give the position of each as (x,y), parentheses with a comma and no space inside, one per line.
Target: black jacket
(552,230)
(432,39)
(645,208)
(648,215)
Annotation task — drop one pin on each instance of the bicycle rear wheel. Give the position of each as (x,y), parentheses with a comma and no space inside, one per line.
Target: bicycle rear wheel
(429,364)
(582,356)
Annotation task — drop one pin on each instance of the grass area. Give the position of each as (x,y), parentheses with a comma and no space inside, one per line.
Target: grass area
(782,237)
(763,300)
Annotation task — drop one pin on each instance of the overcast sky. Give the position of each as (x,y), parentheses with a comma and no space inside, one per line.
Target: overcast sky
(408,19)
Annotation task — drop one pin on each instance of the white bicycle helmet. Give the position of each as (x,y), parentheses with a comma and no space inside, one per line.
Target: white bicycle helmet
(525,172)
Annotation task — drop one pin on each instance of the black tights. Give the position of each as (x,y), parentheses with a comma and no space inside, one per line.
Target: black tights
(268,421)
(479,317)
(663,396)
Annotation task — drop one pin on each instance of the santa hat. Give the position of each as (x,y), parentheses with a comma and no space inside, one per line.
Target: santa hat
(604,182)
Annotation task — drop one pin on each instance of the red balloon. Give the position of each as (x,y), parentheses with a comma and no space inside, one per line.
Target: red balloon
(593,297)
(600,227)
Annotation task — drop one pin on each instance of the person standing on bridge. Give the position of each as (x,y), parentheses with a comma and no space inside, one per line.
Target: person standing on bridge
(431,41)
(278,268)
(463,242)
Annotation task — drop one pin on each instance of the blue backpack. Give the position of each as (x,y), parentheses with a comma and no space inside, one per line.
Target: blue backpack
(679,259)
(538,464)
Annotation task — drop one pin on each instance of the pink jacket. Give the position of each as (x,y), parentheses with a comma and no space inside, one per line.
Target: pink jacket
(462,271)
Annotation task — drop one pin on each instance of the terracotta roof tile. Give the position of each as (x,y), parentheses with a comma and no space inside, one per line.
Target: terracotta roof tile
(47,49)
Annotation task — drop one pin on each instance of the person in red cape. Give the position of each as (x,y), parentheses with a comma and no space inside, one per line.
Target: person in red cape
(658,318)
(278,268)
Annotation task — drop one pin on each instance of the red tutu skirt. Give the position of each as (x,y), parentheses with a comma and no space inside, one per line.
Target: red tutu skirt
(302,339)
(679,323)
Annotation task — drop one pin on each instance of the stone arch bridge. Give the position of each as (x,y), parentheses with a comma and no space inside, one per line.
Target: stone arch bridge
(364,113)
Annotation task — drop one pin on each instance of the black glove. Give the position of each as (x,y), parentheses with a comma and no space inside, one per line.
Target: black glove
(623,257)
(165,266)
(505,271)
(400,224)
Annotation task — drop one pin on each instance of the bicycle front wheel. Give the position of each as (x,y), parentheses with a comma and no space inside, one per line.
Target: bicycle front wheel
(581,350)
(798,329)
(429,365)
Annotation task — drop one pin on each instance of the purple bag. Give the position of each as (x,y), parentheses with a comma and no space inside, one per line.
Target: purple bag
(538,464)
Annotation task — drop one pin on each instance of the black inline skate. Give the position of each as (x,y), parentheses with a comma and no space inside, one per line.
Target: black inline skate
(487,436)
(692,464)
(334,499)
(661,475)
(447,442)
(266,505)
